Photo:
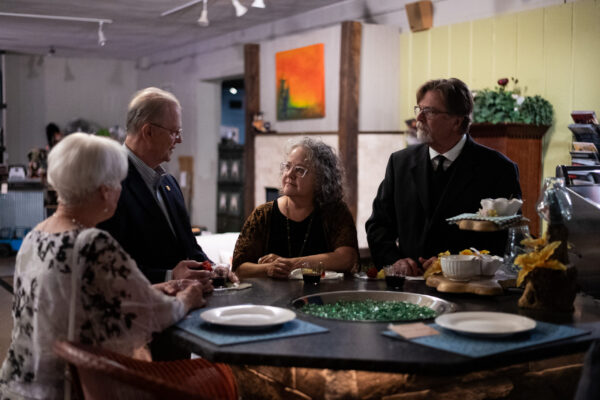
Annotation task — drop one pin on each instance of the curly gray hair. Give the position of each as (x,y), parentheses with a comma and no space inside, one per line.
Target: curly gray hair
(329,173)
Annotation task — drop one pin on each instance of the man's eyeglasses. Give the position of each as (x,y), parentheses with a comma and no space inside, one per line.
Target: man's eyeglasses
(297,170)
(428,112)
(178,134)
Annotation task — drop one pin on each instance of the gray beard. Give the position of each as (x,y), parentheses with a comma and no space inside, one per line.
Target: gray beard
(424,136)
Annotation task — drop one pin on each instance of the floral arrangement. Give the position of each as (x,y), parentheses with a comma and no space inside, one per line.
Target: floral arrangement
(503,106)
(538,258)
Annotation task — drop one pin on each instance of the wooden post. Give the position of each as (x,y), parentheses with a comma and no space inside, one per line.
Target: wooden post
(252,100)
(348,112)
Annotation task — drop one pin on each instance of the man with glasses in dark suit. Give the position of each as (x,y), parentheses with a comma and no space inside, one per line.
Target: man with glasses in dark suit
(446,175)
(151,221)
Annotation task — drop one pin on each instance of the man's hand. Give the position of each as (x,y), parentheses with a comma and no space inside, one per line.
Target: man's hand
(190,269)
(408,266)
(426,263)
(280,268)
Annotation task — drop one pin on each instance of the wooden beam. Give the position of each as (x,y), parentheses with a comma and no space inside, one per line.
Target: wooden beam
(348,113)
(252,105)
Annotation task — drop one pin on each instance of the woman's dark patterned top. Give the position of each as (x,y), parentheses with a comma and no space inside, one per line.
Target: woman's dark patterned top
(115,308)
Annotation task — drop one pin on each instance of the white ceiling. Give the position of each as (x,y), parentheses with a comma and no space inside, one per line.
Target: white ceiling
(137,29)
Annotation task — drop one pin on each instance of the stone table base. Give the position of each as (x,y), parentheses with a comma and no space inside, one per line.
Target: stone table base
(551,379)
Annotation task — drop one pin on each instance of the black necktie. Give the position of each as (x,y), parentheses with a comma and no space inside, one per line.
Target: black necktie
(439,168)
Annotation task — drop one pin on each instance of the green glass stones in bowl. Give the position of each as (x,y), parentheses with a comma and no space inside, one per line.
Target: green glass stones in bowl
(372,306)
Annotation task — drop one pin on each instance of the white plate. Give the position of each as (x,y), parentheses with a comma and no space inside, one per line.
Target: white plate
(297,274)
(248,316)
(485,323)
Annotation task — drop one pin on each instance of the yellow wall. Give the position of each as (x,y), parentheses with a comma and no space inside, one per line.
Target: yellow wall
(553,51)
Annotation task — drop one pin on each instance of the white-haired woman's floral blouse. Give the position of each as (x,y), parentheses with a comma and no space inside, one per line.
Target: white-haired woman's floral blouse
(116,307)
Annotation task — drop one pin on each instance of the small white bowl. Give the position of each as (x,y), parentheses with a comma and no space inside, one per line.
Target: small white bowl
(490,264)
(460,267)
(503,207)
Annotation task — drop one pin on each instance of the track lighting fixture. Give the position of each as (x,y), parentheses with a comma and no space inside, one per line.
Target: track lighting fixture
(101,36)
(239,8)
(258,4)
(203,20)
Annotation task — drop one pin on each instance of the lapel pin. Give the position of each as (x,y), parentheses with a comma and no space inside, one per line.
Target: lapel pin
(168,188)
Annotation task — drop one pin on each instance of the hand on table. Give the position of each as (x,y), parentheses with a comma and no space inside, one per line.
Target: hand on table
(171,288)
(280,268)
(269,258)
(192,296)
(408,266)
(190,269)
(427,262)
(224,270)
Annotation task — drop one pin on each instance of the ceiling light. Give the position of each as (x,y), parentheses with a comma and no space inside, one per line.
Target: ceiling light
(100,21)
(258,4)
(203,20)
(101,37)
(233,90)
(239,8)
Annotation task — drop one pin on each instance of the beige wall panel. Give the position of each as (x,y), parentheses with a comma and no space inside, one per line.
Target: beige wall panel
(505,46)
(421,62)
(460,51)
(530,52)
(373,154)
(379,79)
(559,84)
(586,59)
(406,97)
(482,75)
(440,52)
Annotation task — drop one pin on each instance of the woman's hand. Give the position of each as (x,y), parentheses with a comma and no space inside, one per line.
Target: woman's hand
(280,268)
(171,288)
(192,296)
(269,258)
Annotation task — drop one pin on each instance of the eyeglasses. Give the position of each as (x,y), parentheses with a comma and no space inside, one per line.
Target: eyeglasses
(178,134)
(297,170)
(428,112)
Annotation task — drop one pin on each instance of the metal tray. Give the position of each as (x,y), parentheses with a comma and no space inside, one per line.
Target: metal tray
(438,305)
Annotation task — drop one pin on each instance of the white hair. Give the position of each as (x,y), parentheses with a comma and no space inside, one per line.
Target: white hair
(147,105)
(80,163)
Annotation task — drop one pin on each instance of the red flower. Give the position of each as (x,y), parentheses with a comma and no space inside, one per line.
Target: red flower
(503,82)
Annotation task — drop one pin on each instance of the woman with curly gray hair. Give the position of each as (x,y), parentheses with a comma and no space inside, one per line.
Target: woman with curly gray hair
(308,223)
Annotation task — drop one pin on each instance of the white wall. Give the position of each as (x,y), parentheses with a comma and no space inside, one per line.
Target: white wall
(40,90)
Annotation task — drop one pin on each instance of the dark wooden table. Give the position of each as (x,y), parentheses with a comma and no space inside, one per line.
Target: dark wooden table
(360,345)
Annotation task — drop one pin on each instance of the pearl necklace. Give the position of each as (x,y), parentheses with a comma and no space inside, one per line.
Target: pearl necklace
(287,225)
(74,221)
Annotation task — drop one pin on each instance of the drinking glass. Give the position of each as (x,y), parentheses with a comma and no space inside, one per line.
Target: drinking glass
(219,275)
(554,204)
(514,247)
(394,277)
(311,274)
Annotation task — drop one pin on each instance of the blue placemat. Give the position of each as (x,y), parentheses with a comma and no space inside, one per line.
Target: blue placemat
(222,336)
(479,347)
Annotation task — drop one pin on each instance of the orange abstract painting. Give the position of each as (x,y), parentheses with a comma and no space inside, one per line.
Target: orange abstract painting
(301,83)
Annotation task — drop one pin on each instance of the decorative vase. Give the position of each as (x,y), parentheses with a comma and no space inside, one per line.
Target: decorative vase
(550,289)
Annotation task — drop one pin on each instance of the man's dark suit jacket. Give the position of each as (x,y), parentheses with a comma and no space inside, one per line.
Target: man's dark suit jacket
(141,228)
(403,224)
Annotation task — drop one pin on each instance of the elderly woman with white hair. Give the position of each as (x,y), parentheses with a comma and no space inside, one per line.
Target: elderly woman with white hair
(310,222)
(75,282)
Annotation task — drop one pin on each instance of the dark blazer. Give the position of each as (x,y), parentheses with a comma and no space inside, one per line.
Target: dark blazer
(404,225)
(141,228)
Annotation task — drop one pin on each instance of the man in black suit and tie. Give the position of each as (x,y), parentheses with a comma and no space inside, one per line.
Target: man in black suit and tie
(446,175)
(151,221)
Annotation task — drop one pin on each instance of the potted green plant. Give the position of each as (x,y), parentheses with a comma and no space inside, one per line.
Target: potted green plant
(508,106)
